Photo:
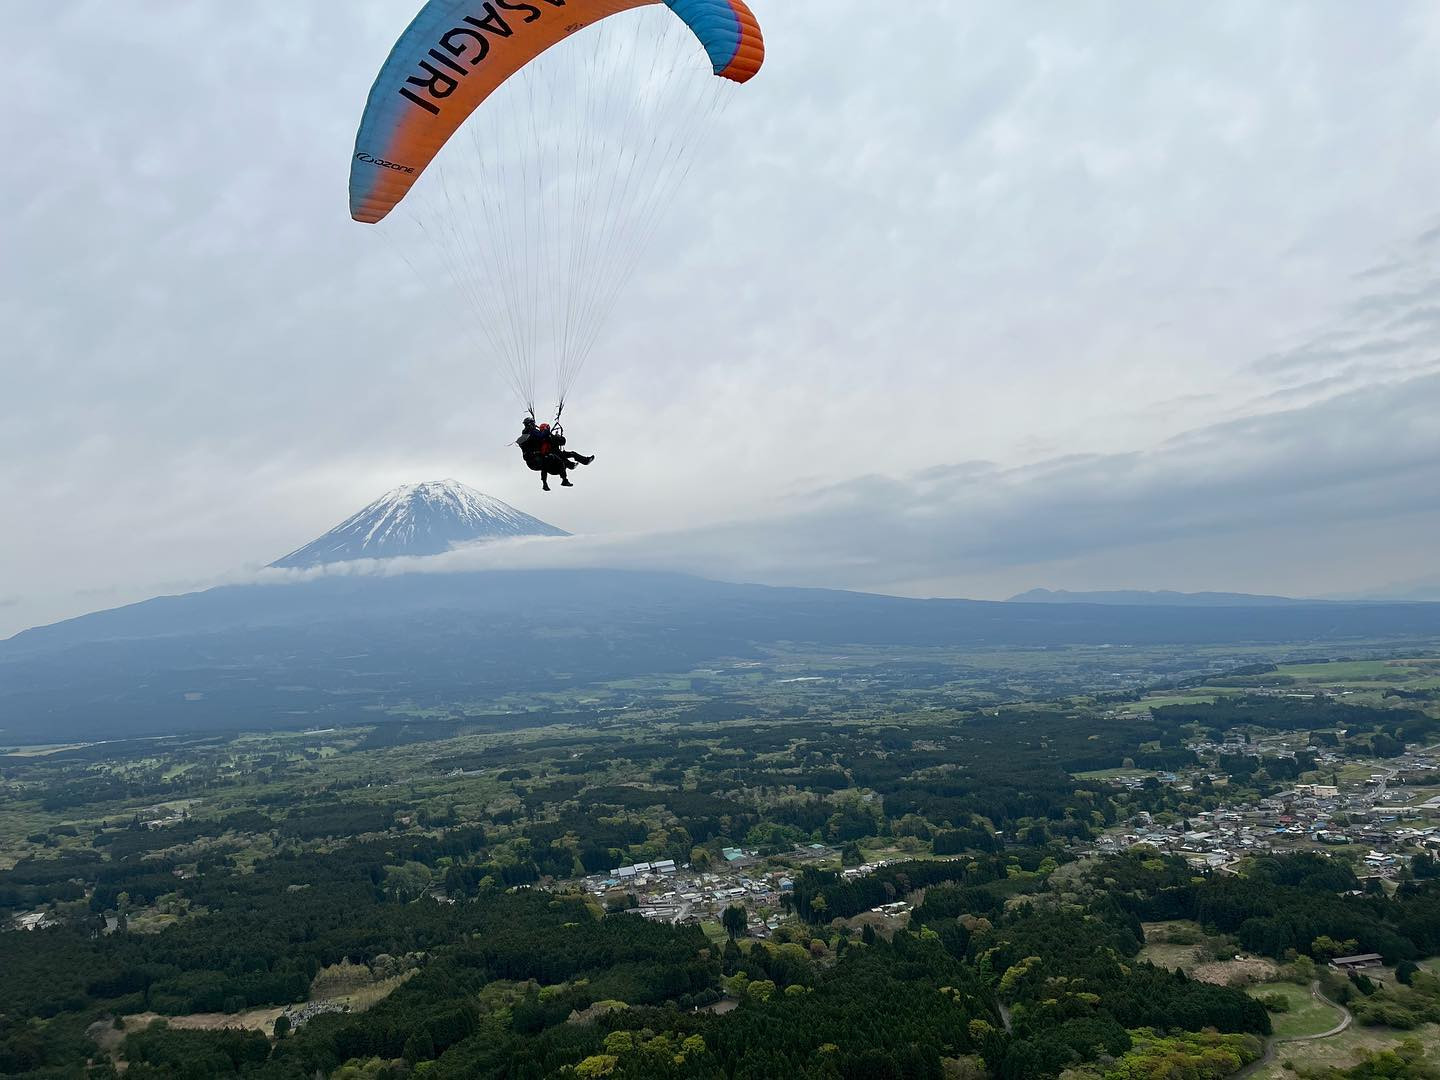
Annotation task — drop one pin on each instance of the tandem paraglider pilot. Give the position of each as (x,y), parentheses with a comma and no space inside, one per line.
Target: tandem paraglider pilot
(544,451)
(642,99)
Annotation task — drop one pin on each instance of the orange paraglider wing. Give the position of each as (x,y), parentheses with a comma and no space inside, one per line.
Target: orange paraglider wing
(456,53)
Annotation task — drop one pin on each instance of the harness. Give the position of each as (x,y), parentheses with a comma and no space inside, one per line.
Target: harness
(555,426)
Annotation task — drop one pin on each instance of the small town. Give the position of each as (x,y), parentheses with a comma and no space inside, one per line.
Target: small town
(683,895)
(1388,820)
(1379,814)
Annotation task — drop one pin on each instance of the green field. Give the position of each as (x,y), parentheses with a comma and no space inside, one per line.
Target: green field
(1361,681)
(1307,1016)
(1379,671)
(1159,701)
(1343,1050)
(1115,774)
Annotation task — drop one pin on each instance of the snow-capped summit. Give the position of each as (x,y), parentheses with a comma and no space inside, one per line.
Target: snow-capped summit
(418,519)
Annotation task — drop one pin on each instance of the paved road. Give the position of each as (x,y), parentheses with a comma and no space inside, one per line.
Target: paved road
(1390,774)
(1274,1042)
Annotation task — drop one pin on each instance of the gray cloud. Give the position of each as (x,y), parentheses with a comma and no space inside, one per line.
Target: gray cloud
(1393,325)
(1239,503)
(1365,459)
(1369,462)
(1058,237)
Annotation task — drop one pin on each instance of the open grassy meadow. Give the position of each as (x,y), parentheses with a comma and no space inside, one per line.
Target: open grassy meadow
(1306,1014)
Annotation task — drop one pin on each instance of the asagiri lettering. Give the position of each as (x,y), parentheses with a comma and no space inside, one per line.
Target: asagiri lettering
(465,47)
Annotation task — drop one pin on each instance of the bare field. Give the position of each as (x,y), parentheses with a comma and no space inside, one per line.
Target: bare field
(250,1020)
(1236,972)
(1162,952)
(358,998)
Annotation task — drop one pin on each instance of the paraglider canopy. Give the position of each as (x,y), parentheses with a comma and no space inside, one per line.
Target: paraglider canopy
(551,135)
(456,53)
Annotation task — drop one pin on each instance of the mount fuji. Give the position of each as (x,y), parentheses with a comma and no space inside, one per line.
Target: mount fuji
(418,519)
(329,649)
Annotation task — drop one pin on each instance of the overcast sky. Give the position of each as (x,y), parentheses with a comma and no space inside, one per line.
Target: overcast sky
(961,299)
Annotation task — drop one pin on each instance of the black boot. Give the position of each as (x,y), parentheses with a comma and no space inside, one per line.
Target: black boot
(584,460)
(566,482)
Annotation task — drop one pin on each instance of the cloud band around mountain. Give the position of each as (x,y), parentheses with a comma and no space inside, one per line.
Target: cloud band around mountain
(1369,458)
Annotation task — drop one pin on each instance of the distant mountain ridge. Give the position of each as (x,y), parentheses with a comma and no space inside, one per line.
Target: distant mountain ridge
(345,648)
(339,648)
(418,520)
(1154,598)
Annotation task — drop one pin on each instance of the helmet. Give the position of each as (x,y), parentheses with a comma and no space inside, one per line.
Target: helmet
(544,427)
(529,421)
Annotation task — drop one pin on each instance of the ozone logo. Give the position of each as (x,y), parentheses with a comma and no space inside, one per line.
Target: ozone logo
(383,164)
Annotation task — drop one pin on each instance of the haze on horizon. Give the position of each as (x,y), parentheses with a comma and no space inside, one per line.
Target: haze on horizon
(1076,295)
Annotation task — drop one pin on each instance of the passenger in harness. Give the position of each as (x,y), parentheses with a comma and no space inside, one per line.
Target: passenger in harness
(544,452)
